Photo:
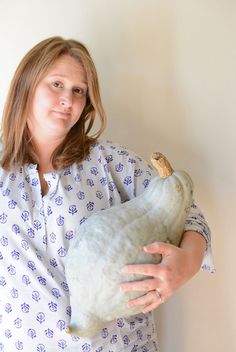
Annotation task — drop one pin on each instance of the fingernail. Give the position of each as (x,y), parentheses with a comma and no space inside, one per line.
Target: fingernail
(148,246)
(151,245)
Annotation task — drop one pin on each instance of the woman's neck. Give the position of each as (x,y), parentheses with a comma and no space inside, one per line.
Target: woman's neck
(44,152)
(45,165)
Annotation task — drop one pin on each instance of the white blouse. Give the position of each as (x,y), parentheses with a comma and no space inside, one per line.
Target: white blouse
(35,233)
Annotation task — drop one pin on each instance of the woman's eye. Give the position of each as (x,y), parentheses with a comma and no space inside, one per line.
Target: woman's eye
(57,85)
(79,91)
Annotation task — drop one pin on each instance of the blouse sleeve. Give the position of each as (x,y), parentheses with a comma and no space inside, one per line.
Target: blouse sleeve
(130,172)
(197,222)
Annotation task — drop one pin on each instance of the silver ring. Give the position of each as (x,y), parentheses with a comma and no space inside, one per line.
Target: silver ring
(159,295)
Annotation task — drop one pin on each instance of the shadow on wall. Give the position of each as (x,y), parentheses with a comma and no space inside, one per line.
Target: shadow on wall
(138,84)
(140,89)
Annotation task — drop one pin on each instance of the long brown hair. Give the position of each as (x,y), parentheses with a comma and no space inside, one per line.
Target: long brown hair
(17,146)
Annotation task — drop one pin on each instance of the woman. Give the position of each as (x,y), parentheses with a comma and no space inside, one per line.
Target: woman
(53,176)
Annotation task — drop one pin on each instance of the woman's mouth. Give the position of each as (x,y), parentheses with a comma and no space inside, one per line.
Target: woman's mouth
(63,114)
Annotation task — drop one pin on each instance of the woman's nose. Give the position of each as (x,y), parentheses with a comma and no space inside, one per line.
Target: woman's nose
(66,100)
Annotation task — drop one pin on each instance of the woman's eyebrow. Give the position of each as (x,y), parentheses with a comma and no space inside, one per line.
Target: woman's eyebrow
(64,76)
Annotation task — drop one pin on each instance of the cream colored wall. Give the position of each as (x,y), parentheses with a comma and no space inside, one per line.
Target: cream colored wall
(168,79)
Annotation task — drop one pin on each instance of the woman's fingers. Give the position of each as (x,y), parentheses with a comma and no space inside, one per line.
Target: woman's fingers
(150,301)
(162,248)
(140,269)
(162,279)
(144,285)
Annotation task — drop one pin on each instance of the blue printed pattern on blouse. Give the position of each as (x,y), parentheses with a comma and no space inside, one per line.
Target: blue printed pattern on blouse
(35,233)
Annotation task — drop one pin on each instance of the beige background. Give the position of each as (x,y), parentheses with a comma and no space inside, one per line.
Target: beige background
(168,80)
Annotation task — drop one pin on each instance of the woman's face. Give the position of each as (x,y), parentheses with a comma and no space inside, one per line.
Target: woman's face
(59,100)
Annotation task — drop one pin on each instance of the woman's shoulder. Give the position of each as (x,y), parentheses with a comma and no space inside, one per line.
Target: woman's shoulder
(115,155)
(108,148)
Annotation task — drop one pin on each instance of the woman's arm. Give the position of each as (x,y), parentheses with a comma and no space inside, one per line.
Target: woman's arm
(178,265)
(195,245)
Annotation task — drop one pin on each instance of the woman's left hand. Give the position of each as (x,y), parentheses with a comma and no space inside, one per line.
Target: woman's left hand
(177,266)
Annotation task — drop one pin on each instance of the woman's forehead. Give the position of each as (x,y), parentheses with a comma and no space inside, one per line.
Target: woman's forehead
(67,67)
